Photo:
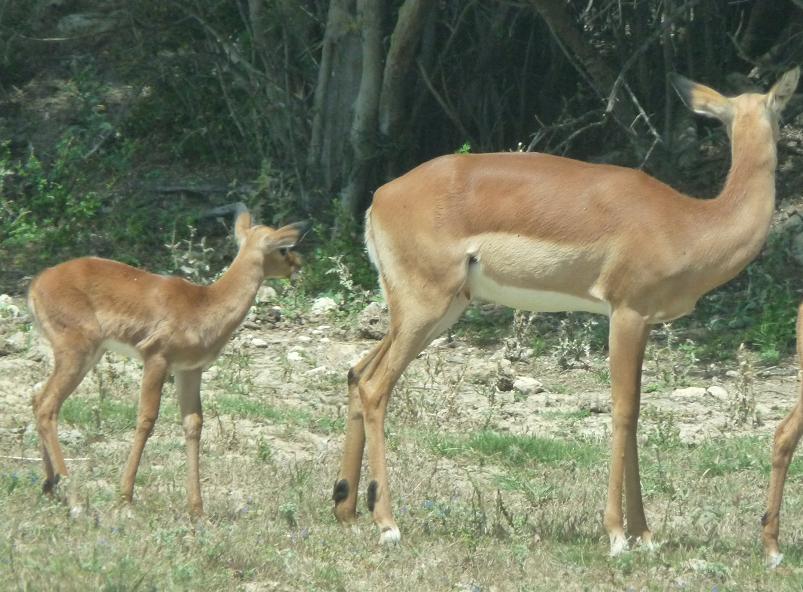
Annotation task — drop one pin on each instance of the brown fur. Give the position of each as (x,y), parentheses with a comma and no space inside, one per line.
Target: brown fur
(84,305)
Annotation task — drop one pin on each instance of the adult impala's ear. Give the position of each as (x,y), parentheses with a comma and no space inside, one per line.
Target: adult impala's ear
(782,91)
(241,226)
(702,99)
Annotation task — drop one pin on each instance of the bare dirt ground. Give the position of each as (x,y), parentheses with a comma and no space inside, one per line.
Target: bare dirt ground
(302,365)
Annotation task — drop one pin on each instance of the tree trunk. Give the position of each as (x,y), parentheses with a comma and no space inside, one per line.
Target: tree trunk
(335,93)
(364,127)
(394,99)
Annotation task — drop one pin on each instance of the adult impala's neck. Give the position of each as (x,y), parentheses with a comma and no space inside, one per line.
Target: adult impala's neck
(753,162)
(747,201)
(232,295)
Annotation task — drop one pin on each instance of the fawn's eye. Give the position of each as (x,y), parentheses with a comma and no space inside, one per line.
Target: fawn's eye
(284,251)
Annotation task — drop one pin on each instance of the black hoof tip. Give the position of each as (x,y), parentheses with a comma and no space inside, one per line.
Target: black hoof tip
(50,484)
(373,486)
(341,491)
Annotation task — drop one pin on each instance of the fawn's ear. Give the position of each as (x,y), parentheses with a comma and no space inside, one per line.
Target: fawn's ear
(241,226)
(782,91)
(702,99)
(286,237)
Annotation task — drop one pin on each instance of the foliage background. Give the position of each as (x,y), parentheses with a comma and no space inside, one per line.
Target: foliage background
(123,123)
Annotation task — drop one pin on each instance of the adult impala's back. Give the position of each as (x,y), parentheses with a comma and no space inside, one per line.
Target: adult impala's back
(87,306)
(546,233)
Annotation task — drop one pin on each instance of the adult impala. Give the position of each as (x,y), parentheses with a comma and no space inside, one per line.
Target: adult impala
(545,233)
(787,437)
(87,306)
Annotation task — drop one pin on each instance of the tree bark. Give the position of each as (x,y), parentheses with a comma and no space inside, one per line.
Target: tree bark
(403,43)
(335,93)
(366,106)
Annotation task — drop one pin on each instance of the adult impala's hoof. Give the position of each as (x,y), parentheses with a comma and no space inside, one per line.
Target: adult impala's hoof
(645,542)
(618,545)
(390,536)
(774,560)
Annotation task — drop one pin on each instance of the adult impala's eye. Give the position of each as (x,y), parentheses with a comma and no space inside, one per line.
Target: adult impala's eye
(284,251)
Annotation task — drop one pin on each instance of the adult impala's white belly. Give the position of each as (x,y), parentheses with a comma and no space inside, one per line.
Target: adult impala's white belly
(483,287)
(514,257)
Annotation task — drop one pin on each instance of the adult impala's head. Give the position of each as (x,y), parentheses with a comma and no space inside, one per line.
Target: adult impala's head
(749,111)
(274,245)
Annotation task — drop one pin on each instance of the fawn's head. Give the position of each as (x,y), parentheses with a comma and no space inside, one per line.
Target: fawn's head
(275,245)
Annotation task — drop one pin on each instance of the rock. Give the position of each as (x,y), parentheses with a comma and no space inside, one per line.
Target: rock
(440,342)
(323,305)
(504,375)
(372,322)
(505,397)
(274,314)
(732,374)
(16,342)
(797,248)
(258,342)
(266,294)
(526,385)
(717,392)
(294,356)
(689,392)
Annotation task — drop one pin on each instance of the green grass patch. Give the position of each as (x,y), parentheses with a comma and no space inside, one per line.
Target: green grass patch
(255,409)
(517,450)
(108,413)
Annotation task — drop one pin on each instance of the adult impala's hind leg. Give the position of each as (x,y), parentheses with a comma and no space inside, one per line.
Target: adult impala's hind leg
(414,323)
(70,365)
(346,486)
(188,388)
(628,338)
(153,376)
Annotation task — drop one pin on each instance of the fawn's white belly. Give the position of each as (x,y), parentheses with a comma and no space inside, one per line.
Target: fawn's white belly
(121,348)
(485,288)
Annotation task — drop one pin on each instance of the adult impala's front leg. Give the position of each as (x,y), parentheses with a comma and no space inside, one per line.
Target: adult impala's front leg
(153,376)
(188,387)
(628,338)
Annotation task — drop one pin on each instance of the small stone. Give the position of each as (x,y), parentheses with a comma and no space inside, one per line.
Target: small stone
(505,397)
(17,342)
(439,342)
(732,374)
(373,321)
(322,306)
(294,356)
(526,385)
(266,294)
(689,392)
(259,342)
(717,392)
